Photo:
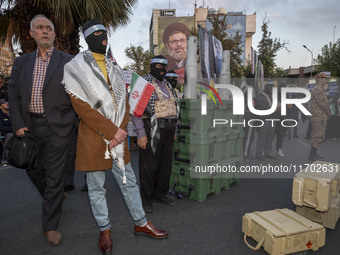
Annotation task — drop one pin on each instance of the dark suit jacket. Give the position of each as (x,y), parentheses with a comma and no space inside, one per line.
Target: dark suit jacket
(57,105)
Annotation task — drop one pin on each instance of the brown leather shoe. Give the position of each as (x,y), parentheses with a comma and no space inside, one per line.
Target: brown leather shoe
(151,231)
(105,242)
(53,237)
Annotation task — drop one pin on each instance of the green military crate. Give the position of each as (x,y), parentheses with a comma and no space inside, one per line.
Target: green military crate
(225,112)
(237,176)
(197,186)
(201,146)
(233,176)
(233,148)
(194,188)
(225,183)
(198,149)
(191,118)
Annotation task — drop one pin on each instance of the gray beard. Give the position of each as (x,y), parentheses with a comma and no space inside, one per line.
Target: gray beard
(177,56)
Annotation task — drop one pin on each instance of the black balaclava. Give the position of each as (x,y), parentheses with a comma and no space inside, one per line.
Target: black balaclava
(171,77)
(156,72)
(95,42)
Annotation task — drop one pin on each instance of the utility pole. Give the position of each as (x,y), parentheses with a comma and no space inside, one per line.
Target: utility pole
(311,72)
(190,88)
(334,34)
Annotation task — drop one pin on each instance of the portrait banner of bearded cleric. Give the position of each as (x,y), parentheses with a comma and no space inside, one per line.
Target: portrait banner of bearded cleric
(175,38)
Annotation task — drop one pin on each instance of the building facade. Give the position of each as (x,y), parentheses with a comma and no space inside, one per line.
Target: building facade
(237,21)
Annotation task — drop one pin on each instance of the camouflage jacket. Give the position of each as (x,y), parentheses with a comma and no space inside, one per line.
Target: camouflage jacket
(319,107)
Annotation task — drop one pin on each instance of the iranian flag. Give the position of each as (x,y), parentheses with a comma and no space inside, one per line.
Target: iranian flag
(140,93)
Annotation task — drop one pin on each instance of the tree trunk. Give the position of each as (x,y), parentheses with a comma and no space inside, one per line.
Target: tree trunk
(24,12)
(68,41)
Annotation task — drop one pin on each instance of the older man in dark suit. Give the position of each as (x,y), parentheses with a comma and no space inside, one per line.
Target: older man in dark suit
(40,105)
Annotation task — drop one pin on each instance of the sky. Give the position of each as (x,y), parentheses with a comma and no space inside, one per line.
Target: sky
(313,23)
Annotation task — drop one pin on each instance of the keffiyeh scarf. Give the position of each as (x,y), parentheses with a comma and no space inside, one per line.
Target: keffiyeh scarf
(84,80)
(150,112)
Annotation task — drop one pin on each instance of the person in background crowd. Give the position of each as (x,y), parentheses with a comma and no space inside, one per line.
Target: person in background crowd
(321,112)
(155,136)
(279,129)
(265,133)
(293,113)
(4,87)
(338,119)
(333,123)
(40,105)
(98,93)
(5,129)
(2,80)
(249,131)
(171,77)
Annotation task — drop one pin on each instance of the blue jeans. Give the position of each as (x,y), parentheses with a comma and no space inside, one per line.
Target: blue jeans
(130,192)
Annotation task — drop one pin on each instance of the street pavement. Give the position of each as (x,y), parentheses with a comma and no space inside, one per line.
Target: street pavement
(210,227)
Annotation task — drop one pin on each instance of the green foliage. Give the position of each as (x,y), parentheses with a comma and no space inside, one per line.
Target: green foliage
(246,69)
(279,73)
(268,48)
(67,17)
(219,28)
(219,23)
(139,59)
(329,60)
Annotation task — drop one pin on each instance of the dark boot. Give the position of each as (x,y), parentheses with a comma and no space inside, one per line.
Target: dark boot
(318,157)
(313,156)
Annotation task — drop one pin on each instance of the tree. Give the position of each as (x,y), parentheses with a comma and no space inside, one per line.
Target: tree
(67,17)
(329,60)
(140,59)
(279,72)
(219,23)
(6,69)
(268,48)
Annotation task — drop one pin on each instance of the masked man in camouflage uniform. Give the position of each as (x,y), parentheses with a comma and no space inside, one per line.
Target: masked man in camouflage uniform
(320,111)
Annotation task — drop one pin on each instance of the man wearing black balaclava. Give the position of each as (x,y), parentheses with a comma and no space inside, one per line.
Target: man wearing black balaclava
(155,132)
(98,94)
(171,77)
(266,132)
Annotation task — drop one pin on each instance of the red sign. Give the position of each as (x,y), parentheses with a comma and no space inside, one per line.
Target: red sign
(309,244)
(135,94)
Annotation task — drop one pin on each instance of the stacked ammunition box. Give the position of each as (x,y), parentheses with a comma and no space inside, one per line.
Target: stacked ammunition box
(199,146)
(282,231)
(316,193)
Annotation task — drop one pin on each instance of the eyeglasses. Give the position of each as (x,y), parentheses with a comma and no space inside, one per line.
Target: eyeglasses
(181,41)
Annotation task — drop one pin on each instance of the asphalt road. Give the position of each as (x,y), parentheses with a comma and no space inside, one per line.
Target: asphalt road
(211,227)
